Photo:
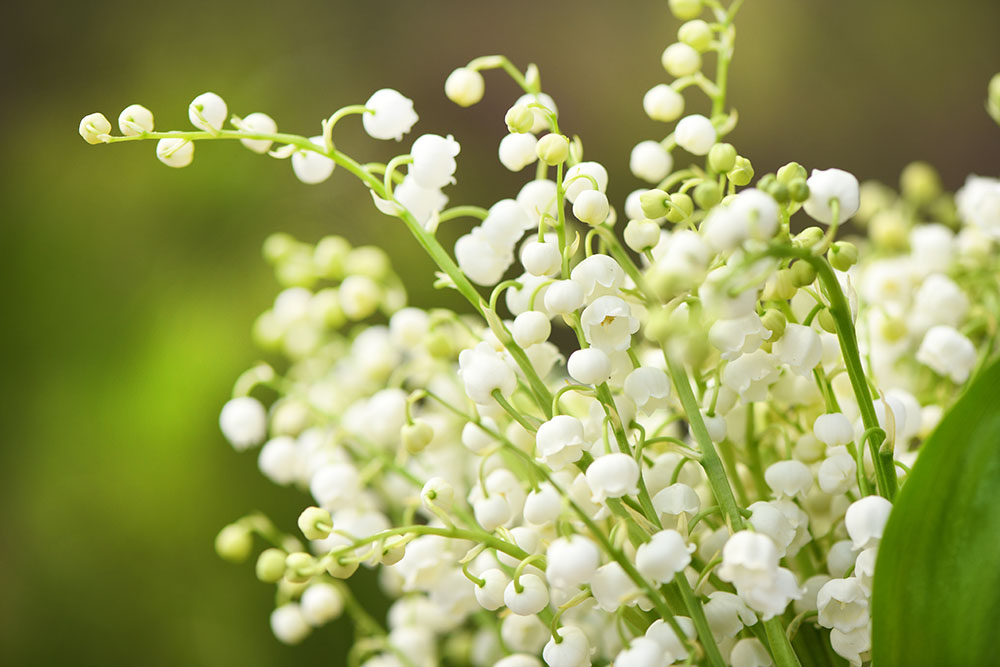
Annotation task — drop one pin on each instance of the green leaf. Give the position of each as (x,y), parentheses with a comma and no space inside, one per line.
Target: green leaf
(936,598)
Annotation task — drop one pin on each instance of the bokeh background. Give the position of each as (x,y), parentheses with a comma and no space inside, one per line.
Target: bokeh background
(129,288)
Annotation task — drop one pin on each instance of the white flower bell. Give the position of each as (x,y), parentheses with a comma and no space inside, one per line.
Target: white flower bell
(289,624)
(663,556)
(208,112)
(650,161)
(865,521)
(591,207)
(531,599)
(663,103)
(584,176)
(545,102)
(738,336)
(483,371)
(572,651)
(311,167)
(434,160)
(94,126)
(833,429)
(243,422)
(134,120)
(258,123)
(530,328)
(648,387)
(517,151)
(948,352)
(788,478)
(828,185)
(541,259)
(175,153)
(571,561)
(842,604)
(321,603)
(390,115)
(978,203)
(612,476)
(608,324)
(560,441)
(464,86)
(598,275)
(695,134)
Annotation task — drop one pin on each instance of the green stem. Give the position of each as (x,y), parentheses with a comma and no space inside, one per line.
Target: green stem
(693,604)
(781,648)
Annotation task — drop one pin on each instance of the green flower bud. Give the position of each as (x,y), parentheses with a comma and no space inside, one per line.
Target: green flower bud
(842,255)
(552,149)
(798,190)
(315,523)
(919,183)
(808,237)
(655,203)
(803,273)
(369,261)
(417,436)
(329,255)
(780,287)
(722,158)
(277,247)
(742,173)
(825,319)
(340,570)
(439,345)
(697,34)
(271,565)
(892,329)
(779,191)
(300,567)
(659,327)
(766,182)
(889,229)
(791,172)
(683,206)
(685,9)
(993,98)
(233,543)
(520,119)
(775,322)
(707,194)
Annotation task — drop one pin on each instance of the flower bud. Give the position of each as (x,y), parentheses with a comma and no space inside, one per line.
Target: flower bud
(270,566)
(919,183)
(572,649)
(696,33)
(531,599)
(175,152)
(591,207)
(416,436)
(742,173)
(663,103)
(464,86)
(390,115)
(321,603)
(519,119)
(258,123)
(798,190)
(612,476)
(299,567)
(842,255)
(695,134)
(438,491)
(530,328)
(490,594)
(683,206)
(650,161)
(315,523)
(947,352)
(92,126)
(679,60)
(655,203)
(993,98)
(775,322)
(233,543)
(827,186)
(685,9)
(208,112)
(134,120)
(311,167)
(289,625)
(552,149)
(808,237)
(641,235)
(865,521)
(722,158)
(791,172)
(540,259)
(664,555)
(707,194)
(589,366)
(243,422)
(517,151)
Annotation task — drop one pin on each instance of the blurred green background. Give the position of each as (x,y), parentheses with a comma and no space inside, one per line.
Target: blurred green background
(130,288)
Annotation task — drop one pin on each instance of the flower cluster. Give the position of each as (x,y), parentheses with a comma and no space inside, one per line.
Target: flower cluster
(702,476)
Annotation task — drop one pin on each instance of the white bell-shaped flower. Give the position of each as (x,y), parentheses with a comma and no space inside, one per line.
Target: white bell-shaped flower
(648,387)
(589,366)
(758,211)
(505,223)
(571,561)
(531,599)
(560,441)
(978,203)
(546,104)
(838,472)
(289,624)
(828,185)
(591,207)
(677,499)
(749,652)
(335,485)
(727,614)
(650,161)
(321,603)
(483,371)
(864,568)
(434,160)
(543,505)
(695,134)
(663,556)
(865,521)
(584,176)
(481,260)
(475,438)
(175,153)
(526,634)
(750,375)
(517,151)
(663,103)
(598,275)
(572,651)
(673,647)
(851,645)
(490,594)
(642,235)
(563,297)
(939,300)
(641,652)
(612,587)
(541,259)
(243,421)
(538,197)
(612,476)
(840,557)
(948,352)
(749,559)
(464,86)
(421,202)
(772,599)
(208,112)
(788,479)
(311,167)
(279,460)
(390,115)
(800,348)
(842,604)
(94,126)
(770,521)
(738,336)
(833,429)
(530,328)
(258,123)
(134,120)
(608,323)
(680,59)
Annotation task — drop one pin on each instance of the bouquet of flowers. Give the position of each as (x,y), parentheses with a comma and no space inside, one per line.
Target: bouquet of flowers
(667,433)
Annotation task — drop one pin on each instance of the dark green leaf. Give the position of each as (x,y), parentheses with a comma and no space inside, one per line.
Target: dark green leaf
(937,580)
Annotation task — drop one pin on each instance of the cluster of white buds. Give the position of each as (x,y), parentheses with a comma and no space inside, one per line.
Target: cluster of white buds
(646,453)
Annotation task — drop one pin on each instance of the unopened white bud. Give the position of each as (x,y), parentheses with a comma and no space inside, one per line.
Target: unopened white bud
(695,134)
(464,86)
(664,555)
(589,366)
(92,126)
(641,235)
(833,429)
(311,167)
(175,152)
(563,297)
(243,422)
(531,599)
(258,123)
(289,624)
(612,476)
(321,603)
(530,328)
(828,185)
(134,120)
(540,259)
(208,112)
(680,59)
(650,161)
(788,478)
(517,151)
(571,561)
(948,352)
(390,115)
(663,103)
(591,207)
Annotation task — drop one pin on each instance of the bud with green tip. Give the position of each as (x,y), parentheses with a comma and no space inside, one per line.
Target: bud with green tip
(742,173)
(685,9)
(552,149)
(271,565)
(803,273)
(233,543)
(659,327)
(315,523)
(655,203)
(641,235)
(417,436)
(707,194)
(919,183)
(520,119)
(826,321)
(791,172)
(722,158)
(300,567)
(93,127)
(775,322)
(798,190)
(464,86)
(808,237)
(683,206)
(993,98)
(696,33)
(780,287)
(779,191)
(842,255)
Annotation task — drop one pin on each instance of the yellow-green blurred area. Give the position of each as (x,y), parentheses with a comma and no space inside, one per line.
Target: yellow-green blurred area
(130,288)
